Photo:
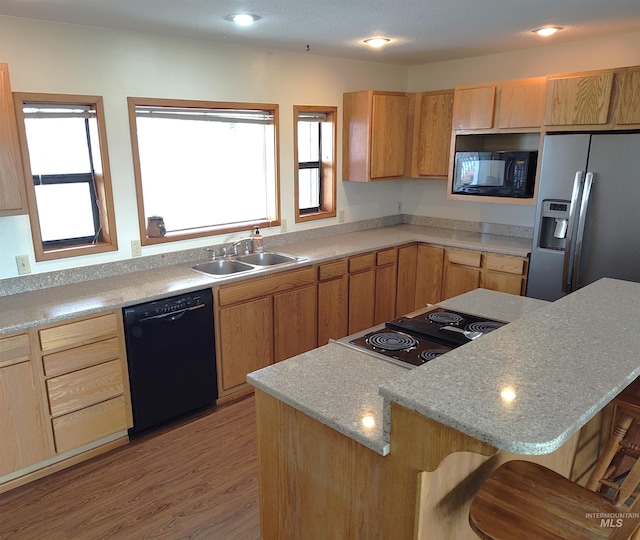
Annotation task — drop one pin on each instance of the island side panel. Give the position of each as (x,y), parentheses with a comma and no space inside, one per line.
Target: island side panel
(316,483)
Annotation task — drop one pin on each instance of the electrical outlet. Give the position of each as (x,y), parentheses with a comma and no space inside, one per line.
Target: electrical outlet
(136,250)
(22,262)
(341,216)
(283,225)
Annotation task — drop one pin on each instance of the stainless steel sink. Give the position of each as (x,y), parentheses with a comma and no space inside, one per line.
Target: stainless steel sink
(223,267)
(267,258)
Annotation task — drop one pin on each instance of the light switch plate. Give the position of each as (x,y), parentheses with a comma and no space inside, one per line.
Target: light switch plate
(22,262)
(283,225)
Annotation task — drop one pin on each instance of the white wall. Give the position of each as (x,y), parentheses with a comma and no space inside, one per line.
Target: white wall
(58,58)
(428,197)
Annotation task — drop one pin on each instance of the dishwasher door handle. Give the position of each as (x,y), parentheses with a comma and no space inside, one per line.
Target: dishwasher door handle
(172,315)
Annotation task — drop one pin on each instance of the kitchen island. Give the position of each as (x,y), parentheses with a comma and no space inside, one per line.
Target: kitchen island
(538,387)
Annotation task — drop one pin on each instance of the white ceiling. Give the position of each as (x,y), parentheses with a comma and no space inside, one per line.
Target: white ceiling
(421,31)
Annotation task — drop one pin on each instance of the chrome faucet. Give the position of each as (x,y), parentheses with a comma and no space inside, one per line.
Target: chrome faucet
(233,248)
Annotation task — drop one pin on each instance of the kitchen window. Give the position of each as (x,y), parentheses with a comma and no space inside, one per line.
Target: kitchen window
(204,167)
(314,156)
(66,167)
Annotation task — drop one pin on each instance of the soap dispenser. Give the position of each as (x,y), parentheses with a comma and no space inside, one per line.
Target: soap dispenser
(258,246)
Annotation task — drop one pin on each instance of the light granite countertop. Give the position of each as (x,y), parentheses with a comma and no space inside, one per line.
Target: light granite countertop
(525,388)
(26,309)
(339,386)
(559,365)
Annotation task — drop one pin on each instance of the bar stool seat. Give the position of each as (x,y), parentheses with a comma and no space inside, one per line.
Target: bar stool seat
(523,500)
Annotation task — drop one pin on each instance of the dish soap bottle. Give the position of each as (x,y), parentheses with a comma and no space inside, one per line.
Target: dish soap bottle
(258,246)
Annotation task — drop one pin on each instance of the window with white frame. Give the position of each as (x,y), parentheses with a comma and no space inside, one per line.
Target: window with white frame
(64,158)
(204,167)
(315,178)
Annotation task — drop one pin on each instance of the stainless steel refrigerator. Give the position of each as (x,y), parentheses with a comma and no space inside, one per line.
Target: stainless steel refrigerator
(588,213)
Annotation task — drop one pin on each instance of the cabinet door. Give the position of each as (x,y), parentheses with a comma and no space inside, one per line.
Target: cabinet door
(579,100)
(522,103)
(246,340)
(504,273)
(333,309)
(388,135)
(385,303)
(461,272)
(429,269)
(432,134)
(361,300)
(406,287)
(12,198)
(473,108)
(629,104)
(294,322)
(22,441)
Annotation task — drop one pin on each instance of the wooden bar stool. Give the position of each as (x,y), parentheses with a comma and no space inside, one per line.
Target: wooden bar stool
(523,500)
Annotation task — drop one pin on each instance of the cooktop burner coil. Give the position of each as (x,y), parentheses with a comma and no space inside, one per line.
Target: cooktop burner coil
(445,317)
(430,354)
(484,326)
(392,341)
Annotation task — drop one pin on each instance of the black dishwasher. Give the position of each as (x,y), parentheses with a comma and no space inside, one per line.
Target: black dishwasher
(171,357)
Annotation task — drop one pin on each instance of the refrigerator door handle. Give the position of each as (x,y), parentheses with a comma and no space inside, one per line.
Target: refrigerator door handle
(577,252)
(568,251)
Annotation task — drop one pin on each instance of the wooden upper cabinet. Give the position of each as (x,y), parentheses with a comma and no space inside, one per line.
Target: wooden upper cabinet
(374,141)
(433,116)
(473,107)
(629,101)
(12,195)
(579,99)
(522,103)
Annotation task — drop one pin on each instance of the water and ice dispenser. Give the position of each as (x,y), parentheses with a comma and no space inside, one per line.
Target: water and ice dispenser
(554,221)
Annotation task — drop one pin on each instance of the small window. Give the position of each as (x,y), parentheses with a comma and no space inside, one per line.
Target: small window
(64,150)
(204,167)
(314,151)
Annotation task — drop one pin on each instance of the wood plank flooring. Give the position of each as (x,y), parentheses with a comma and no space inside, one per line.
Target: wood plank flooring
(197,479)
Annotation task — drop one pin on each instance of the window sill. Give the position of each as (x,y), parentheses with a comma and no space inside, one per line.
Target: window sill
(323,214)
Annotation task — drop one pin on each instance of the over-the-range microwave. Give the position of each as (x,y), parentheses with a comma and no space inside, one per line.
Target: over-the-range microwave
(495,174)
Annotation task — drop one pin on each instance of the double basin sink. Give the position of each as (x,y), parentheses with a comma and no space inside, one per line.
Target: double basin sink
(245,263)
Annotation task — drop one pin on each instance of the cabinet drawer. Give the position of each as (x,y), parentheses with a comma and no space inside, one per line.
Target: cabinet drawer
(13,350)
(362,262)
(332,270)
(388,256)
(254,288)
(81,357)
(78,333)
(86,387)
(509,265)
(468,258)
(90,424)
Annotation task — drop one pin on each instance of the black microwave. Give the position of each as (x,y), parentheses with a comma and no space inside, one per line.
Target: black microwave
(495,174)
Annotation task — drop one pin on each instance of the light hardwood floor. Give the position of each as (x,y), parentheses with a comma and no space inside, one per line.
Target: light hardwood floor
(196,479)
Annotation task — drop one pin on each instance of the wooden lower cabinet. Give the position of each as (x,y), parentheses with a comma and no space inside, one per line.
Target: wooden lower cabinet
(407,279)
(246,340)
(86,379)
(362,300)
(294,322)
(333,301)
(461,272)
(385,287)
(429,268)
(23,439)
(505,274)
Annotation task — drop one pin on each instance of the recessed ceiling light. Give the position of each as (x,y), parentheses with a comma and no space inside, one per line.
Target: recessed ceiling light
(377,42)
(547,30)
(243,19)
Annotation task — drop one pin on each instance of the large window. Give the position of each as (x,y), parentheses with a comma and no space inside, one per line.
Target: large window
(65,162)
(314,155)
(204,167)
